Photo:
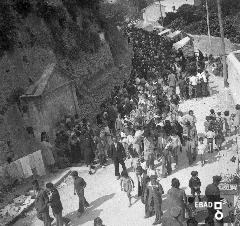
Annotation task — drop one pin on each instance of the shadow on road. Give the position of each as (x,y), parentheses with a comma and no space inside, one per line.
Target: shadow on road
(91,213)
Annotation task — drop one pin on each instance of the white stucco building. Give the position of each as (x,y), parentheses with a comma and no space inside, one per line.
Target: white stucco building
(153,12)
(233,63)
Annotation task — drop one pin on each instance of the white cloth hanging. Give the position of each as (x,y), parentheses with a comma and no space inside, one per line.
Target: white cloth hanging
(19,168)
(27,171)
(38,162)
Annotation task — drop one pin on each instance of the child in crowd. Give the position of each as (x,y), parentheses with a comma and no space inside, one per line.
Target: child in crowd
(210,135)
(118,124)
(202,147)
(212,113)
(195,184)
(226,124)
(101,151)
(219,137)
(127,185)
(134,157)
(139,172)
(151,170)
(98,222)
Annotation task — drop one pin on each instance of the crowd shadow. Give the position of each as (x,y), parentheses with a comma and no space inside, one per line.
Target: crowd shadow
(91,213)
(184,163)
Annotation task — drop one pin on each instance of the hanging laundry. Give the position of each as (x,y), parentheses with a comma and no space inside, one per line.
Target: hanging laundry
(32,161)
(38,162)
(26,166)
(47,154)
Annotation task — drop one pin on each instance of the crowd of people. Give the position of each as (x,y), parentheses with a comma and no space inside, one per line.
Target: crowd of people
(144,111)
(141,121)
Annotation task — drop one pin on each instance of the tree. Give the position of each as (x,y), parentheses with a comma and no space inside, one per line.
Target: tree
(193,19)
(7,27)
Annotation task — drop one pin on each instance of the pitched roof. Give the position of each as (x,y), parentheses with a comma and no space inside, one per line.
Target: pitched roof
(174,34)
(181,43)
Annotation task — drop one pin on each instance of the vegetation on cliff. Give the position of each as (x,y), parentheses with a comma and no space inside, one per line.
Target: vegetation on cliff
(36,32)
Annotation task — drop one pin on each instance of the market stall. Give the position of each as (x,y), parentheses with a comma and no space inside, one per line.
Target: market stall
(164,32)
(186,45)
(175,36)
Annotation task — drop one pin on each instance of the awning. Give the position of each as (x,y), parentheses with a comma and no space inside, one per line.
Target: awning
(181,43)
(164,32)
(174,34)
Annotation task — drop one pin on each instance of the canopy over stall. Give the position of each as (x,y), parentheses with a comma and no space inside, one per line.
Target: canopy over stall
(174,34)
(181,43)
(149,26)
(165,32)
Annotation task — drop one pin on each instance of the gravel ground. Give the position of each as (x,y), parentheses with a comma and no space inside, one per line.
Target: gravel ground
(103,191)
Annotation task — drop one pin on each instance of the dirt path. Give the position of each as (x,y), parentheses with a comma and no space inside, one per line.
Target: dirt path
(103,191)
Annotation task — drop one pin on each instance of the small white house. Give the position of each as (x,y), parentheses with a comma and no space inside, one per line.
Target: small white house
(153,13)
(233,63)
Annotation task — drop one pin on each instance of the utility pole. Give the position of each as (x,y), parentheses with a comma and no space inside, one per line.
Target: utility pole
(209,33)
(224,62)
(160,7)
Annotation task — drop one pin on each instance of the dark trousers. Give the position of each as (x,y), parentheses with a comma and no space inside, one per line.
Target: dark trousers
(102,159)
(190,157)
(204,89)
(81,202)
(193,191)
(192,91)
(199,90)
(116,165)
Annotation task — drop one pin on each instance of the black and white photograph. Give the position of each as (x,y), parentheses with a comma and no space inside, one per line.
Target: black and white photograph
(119,112)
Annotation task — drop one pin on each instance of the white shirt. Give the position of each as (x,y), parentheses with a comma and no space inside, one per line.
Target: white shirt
(151,172)
(203,76)
(210,134)
(193,80)
(201,148)
(130,139)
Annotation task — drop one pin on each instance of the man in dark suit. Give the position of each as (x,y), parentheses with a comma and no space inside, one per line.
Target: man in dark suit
(118,155)
(212,193)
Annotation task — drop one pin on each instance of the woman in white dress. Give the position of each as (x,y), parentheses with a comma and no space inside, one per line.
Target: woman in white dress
(47,152)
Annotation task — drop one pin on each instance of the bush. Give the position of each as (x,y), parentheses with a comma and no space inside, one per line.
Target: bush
(90,4)
(71,8)
(14,97)
(50,13)
(89,41)
(7,28)
(23,7)
(193,19)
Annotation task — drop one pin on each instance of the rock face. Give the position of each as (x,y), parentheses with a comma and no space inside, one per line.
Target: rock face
(74,44)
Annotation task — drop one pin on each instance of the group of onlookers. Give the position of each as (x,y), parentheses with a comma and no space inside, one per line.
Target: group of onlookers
(141,121)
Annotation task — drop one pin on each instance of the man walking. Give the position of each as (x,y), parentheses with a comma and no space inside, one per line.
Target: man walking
(79,186)
(41,204)
(56,205)
(118,155)
(212,193)
(172,82)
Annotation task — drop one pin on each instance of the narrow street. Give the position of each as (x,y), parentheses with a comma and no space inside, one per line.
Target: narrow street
(103,190)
